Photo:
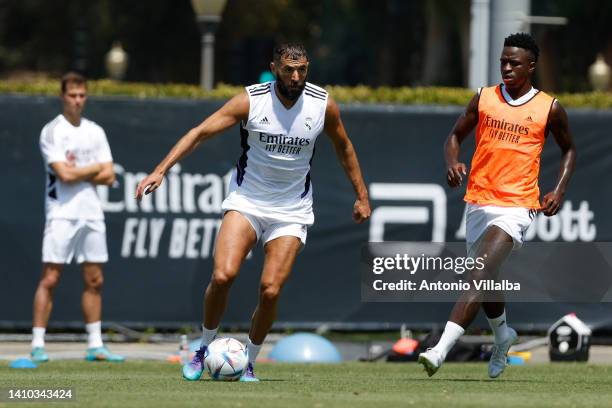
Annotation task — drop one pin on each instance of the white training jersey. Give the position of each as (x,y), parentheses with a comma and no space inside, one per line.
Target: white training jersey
(82,145)
(278,145)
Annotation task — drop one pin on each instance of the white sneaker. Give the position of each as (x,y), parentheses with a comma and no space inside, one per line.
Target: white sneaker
(431,360)
(497,363)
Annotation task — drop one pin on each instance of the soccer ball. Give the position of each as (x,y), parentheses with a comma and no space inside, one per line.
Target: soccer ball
(226,359)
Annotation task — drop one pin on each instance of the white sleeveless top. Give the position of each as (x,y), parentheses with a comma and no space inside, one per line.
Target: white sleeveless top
(278,145)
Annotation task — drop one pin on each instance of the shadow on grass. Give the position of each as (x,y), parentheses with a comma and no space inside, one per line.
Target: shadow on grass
(474,380)
(261,380)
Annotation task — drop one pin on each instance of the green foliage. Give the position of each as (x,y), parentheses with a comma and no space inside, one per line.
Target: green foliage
(403,95)
(343,94)
(108,87)
(597,100)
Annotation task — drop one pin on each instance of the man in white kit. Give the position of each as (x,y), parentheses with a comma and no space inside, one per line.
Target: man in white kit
(77,157)
(270,197)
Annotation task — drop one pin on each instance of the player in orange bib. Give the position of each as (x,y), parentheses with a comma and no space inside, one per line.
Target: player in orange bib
(512,121)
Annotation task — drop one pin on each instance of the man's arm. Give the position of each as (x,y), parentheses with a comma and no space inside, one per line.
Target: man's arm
(348,159)
(464,125)
(106,176)
(235,110)
(68,173)
(558,125)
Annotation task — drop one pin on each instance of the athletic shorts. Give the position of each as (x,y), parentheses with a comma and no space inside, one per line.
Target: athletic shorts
(268,221)
(83,240)
(513,220)
(268,229)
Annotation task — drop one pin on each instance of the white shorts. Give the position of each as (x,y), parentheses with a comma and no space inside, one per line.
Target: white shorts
(513,220)
(271,220)
(268,229)
(84,240)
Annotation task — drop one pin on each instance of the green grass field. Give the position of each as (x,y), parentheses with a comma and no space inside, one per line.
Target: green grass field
(148,384)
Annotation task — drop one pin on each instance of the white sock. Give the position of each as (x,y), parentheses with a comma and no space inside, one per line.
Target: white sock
(252,351)
(38,336)
(94,334)
(499,327)
(451,334)
(208,336)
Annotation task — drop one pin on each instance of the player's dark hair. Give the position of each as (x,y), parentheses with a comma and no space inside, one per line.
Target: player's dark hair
(524,41)
(72,78)
(293,51)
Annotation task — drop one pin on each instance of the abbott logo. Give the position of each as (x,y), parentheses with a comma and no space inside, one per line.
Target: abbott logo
(408,214)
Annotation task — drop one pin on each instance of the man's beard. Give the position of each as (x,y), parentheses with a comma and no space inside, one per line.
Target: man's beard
(291,94)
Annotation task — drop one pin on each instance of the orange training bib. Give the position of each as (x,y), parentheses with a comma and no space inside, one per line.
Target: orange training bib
(509,141)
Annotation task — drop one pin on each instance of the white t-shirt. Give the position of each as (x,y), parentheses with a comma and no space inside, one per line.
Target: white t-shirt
(278,147)
(83,145)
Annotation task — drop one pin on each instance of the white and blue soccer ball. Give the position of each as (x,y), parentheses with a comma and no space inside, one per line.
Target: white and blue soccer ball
(226,359)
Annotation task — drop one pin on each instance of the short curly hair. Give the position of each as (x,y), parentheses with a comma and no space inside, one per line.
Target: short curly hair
(293,51)
(524,41)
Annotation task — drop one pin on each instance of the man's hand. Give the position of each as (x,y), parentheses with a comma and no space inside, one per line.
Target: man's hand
(361,210)
(149,184)
(455,173)
(551,203)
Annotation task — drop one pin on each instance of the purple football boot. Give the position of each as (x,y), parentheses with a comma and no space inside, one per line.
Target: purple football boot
(193,371)
(249,375)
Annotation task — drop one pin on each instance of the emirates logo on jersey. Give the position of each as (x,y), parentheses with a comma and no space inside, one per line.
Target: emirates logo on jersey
(283,143)
(503,125)
(504,131)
